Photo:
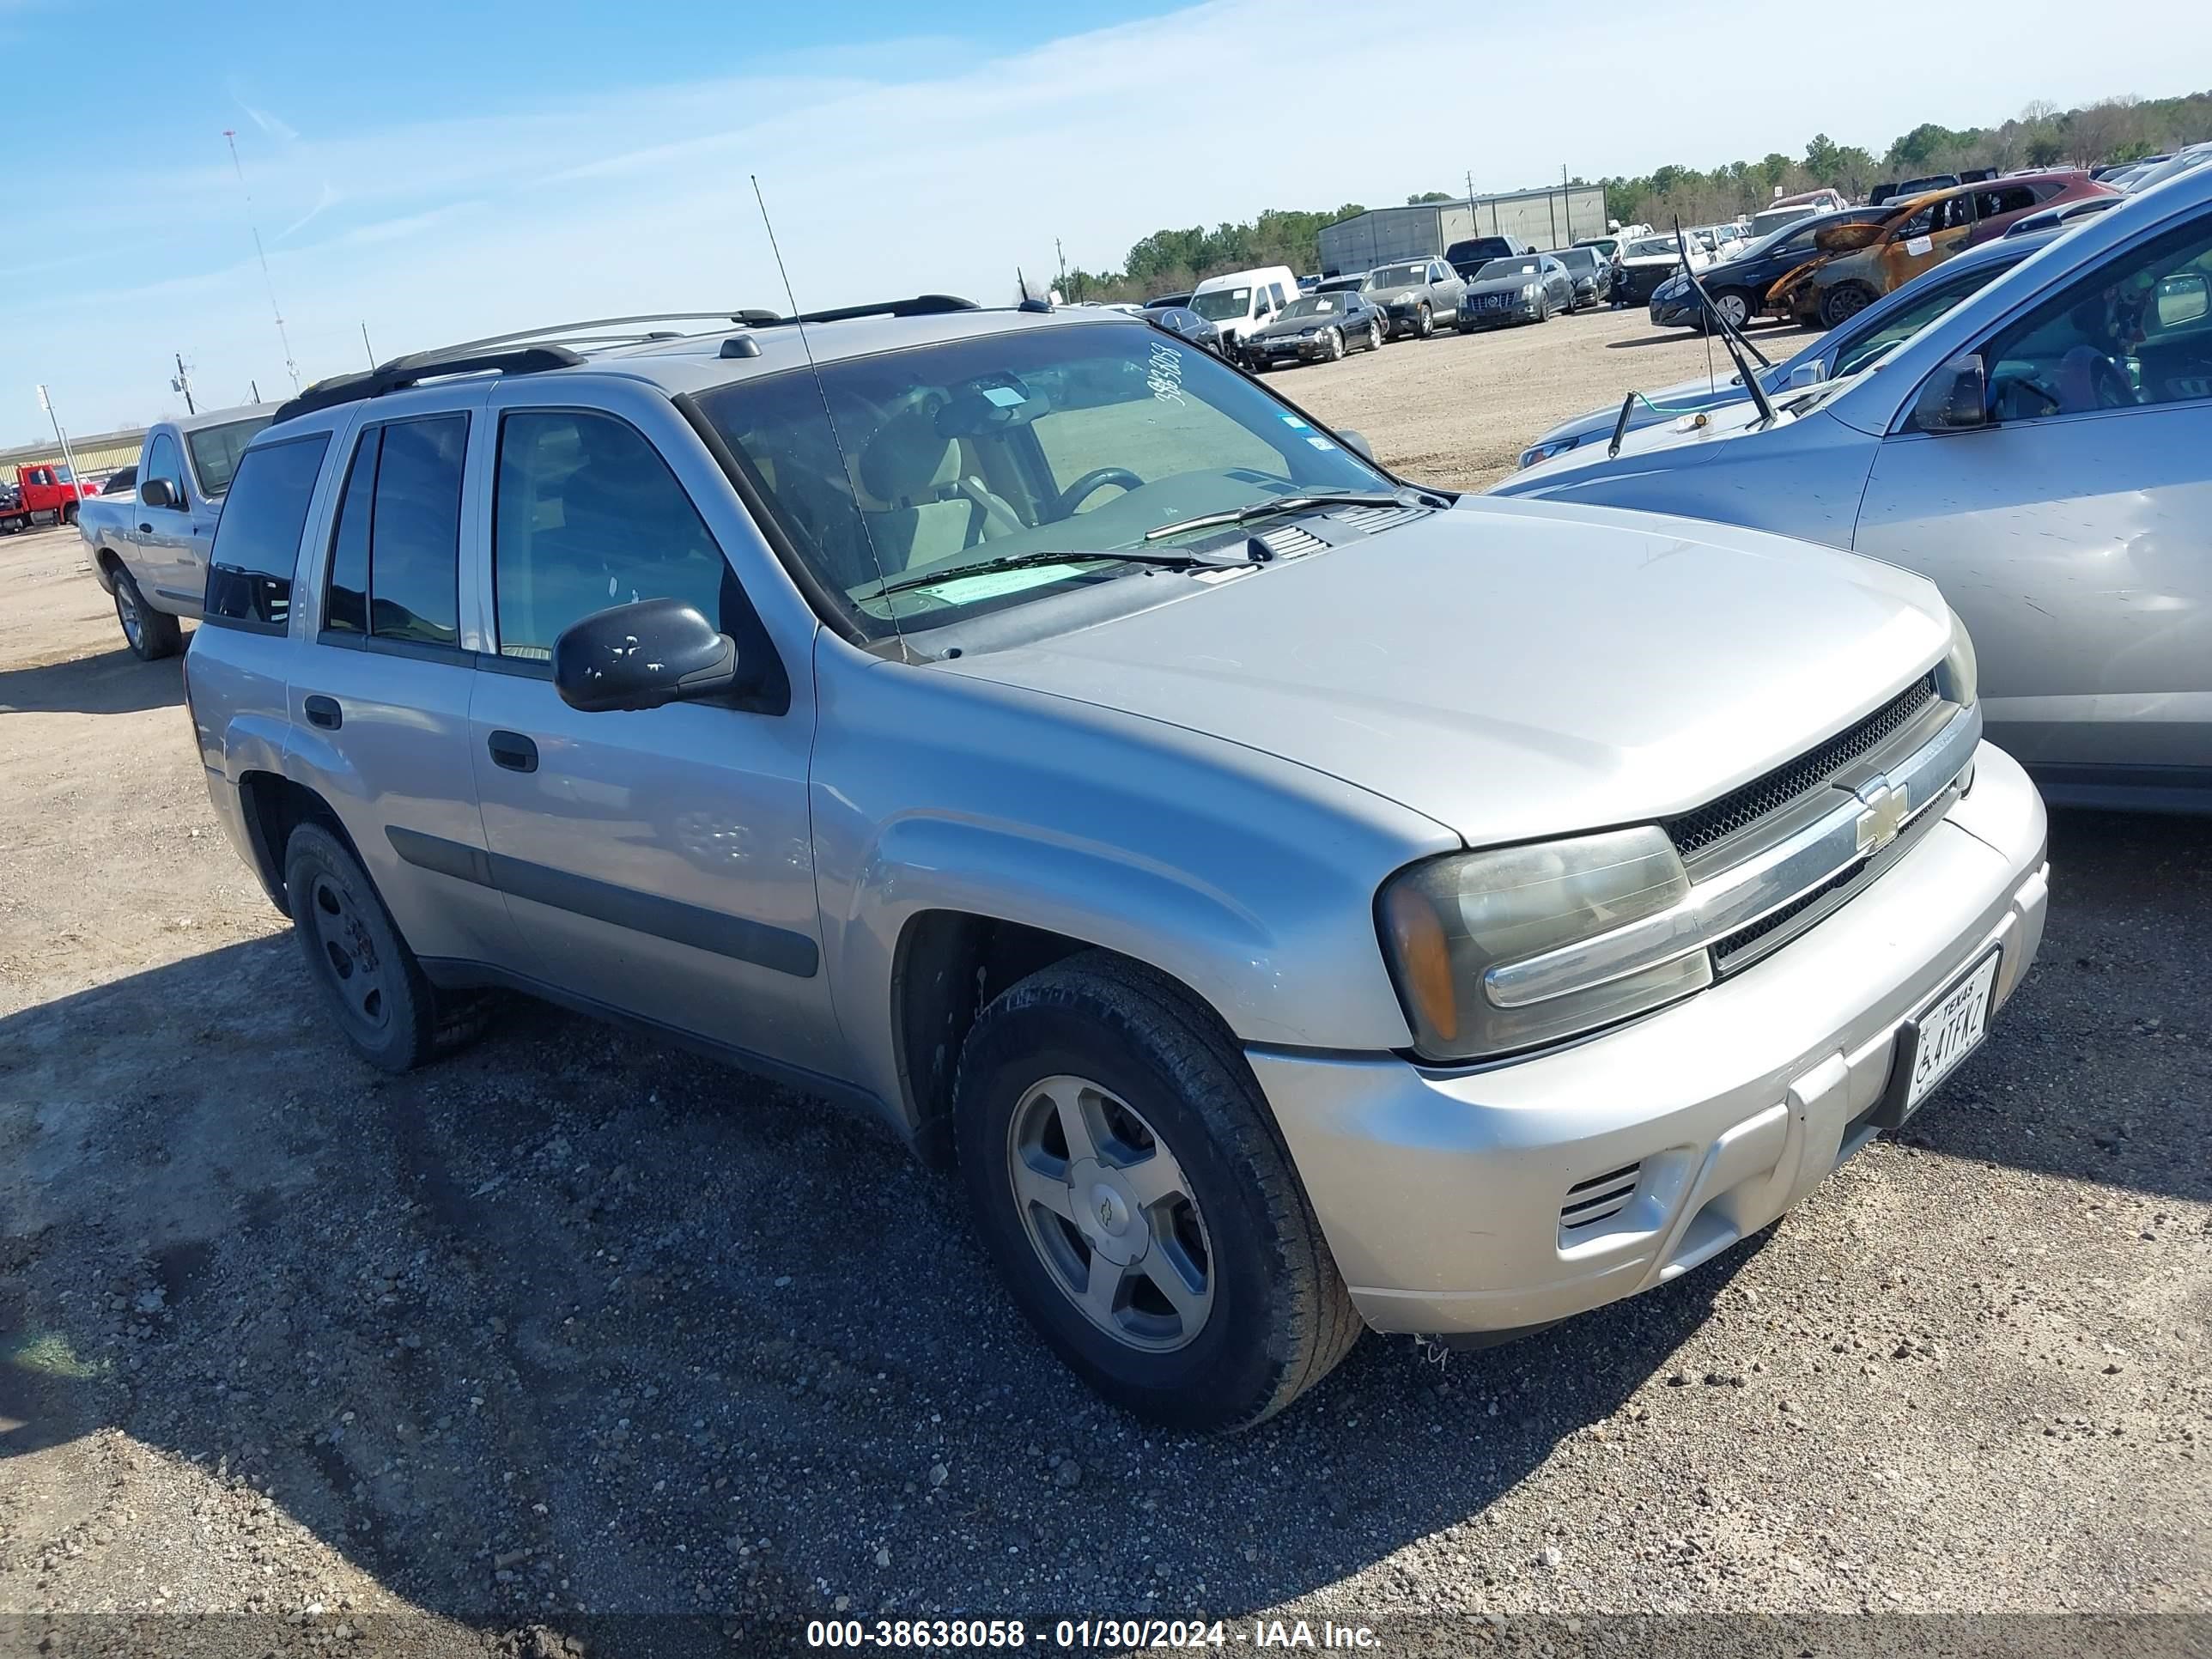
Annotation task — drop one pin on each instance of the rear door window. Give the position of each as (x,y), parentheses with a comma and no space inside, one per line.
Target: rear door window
(395,551)
(256,547)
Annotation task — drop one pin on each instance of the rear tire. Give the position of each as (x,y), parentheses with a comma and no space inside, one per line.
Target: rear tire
(371,983)
(1220,1303)
(151,635)
(1736,308)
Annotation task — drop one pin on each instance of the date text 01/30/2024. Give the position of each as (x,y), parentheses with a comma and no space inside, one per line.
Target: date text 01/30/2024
(1108,1635)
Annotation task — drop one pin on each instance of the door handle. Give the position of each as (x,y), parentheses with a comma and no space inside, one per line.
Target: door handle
(325,712)
(513,751)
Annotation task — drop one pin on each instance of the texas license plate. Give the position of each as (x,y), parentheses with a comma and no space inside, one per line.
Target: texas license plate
(1950,1029)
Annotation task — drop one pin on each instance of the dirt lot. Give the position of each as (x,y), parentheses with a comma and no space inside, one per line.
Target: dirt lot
(574,1336)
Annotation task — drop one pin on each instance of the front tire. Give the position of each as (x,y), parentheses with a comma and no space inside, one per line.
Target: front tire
(1424,324)
(1135,1198)
(371,983)
(1842,303)
(151,635)
(1336,345)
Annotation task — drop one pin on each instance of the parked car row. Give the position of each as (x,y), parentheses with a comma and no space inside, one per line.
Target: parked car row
(1823,269)
(2028,425)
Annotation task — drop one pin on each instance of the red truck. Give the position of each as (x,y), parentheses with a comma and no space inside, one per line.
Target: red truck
(40,495)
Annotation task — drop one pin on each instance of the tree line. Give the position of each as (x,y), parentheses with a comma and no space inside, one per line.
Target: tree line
(2111,130)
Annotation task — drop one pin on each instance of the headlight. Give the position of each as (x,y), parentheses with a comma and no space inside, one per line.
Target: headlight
(1446,924)
(1528,290)
(1960,677)
(1536,452)
(1309,334)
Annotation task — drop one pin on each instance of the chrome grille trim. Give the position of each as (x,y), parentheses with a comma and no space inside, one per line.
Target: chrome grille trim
(1736,898)
(1745,807)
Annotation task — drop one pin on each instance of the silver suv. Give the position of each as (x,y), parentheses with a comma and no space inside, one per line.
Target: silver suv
(1290,896)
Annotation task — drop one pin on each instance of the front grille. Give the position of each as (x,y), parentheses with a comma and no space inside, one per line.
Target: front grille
(1744,938)
(1599,1199)
(1740,808)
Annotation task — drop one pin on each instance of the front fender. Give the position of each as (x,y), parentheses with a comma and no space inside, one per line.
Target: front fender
(1249,878)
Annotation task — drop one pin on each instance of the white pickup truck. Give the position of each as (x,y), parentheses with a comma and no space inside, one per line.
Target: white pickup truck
(149,547)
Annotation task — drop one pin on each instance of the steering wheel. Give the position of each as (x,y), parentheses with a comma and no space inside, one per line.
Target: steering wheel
(2110,384)
(1091,481)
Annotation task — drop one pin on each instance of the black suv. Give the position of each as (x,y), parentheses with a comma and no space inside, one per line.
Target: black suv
(1468,257)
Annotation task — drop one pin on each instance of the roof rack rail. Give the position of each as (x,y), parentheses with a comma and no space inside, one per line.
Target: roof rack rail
(921,305)
(403,372)
(627,331)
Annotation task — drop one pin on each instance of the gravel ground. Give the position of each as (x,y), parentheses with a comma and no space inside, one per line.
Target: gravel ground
(574,1342)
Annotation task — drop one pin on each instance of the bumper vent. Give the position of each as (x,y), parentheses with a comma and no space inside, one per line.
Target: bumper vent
(1599,1199)
(1741,808)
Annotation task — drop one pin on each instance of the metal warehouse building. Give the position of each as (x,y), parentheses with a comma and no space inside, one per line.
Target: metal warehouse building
(1547,218)
(97,454)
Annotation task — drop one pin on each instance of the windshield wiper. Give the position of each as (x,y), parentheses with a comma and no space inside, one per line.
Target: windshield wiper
(1271,505)
(1736,344)
(1029,560)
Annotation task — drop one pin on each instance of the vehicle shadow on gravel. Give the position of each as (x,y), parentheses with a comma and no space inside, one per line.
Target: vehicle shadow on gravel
(112,682)
(574,1308)
(574,1318)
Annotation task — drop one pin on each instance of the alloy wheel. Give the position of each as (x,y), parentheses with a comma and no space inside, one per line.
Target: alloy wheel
(1110,1213)
(126,612)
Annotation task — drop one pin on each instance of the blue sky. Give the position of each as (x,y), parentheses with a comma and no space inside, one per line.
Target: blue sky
(442,171)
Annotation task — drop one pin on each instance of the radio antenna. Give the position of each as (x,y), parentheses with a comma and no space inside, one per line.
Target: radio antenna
(799,321)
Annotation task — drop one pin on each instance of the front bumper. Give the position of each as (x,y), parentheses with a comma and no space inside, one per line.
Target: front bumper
(1441,1193)
(1296,351)
(1521,311)
(1677,311)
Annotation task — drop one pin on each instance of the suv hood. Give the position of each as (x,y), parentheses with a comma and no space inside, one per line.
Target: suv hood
(1515,669)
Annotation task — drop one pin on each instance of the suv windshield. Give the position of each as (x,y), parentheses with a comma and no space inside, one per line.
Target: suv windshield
(1397,275)
(216,450)
(1222,304)
(1077,438)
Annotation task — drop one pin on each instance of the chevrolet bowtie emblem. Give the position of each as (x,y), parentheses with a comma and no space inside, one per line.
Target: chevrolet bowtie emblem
(1884,814)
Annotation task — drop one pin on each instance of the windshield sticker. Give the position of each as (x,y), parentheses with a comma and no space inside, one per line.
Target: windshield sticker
(1294,423)
(1321,443)
(1004,396)
(1919,245)
(1164,376)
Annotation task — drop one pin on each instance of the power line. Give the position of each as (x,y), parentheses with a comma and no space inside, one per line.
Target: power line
(290,368)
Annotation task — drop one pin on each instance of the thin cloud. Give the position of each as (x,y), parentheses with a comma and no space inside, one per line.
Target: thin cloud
(329,199)
(281,131)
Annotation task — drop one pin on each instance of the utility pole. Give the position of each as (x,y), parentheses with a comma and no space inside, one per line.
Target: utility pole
(60,437)
(365,345)
(1566,202)
(255,386)
(183,383)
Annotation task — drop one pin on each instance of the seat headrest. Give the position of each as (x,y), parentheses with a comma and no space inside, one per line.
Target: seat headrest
(908,458)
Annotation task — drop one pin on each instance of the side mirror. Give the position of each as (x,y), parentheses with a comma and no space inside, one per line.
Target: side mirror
(1807,374)
(1955,398)
(158,492)
(1357,443)
(641,656)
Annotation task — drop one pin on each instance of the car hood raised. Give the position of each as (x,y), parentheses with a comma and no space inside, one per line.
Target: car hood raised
(1514,669)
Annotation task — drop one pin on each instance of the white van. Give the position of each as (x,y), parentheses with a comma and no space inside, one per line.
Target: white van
(1239,301)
